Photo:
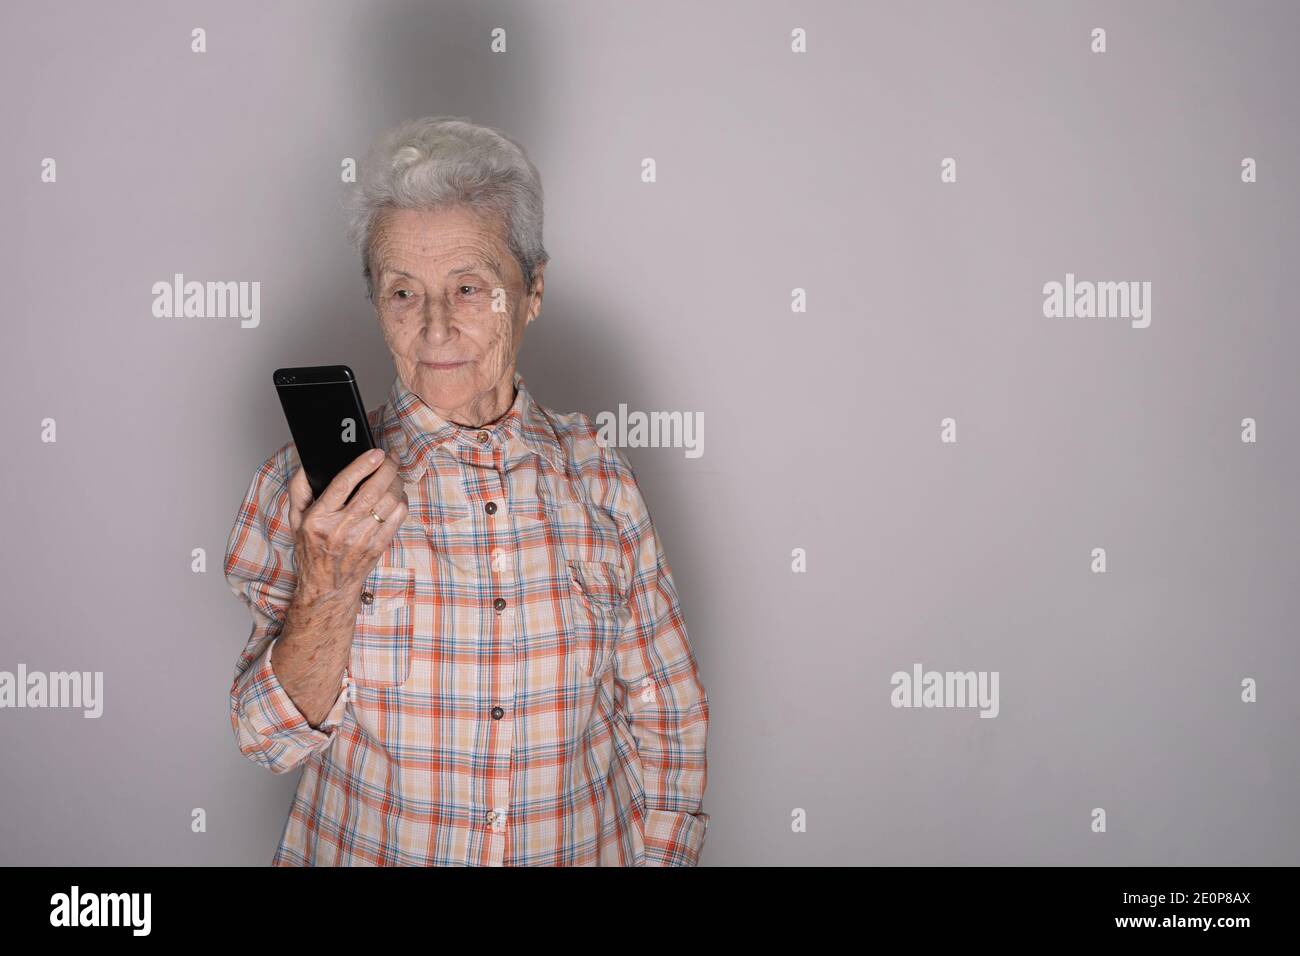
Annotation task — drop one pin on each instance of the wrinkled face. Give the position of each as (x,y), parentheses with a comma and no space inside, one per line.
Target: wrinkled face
(452,307)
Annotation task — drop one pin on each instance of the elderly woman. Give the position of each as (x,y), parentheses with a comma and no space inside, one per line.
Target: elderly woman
(480,659)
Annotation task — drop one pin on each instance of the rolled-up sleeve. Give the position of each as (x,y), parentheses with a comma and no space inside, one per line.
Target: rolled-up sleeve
(660,691)
(269,728)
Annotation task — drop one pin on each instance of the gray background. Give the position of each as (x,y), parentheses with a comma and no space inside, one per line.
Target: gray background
(776,171)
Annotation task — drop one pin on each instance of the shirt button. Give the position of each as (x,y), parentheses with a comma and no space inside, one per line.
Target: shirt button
(499,604)
(367,597)
(498,713)
(490,507)
(482,438)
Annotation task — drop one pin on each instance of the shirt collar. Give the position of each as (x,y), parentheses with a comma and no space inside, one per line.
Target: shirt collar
(413,430)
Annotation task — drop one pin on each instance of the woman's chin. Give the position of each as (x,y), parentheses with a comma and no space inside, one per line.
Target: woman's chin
(444,388)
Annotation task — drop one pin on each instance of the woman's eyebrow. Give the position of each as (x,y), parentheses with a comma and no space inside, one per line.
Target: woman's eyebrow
(486,265)
(479,265)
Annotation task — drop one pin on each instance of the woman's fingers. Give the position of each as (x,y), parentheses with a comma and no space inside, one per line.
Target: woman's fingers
(332,498)
(299,498)
(373,490)
(393,518)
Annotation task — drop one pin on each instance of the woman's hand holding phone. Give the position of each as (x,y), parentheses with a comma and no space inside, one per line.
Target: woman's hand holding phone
(337,544)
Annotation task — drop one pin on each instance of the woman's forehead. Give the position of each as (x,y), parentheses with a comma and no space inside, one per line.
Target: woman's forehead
(408,245)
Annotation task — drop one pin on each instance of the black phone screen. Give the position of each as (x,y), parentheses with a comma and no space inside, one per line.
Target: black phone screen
(326,418)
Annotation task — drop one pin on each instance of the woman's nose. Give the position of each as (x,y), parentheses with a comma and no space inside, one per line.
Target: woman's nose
(437,320)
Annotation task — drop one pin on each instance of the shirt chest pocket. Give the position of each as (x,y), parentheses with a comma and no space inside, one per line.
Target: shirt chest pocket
(385,631)
(598,612)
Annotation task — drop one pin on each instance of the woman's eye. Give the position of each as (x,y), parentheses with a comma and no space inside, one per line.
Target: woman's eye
(473,287)
(403,293)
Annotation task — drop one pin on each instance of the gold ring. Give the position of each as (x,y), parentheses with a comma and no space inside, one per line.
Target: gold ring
(375,516)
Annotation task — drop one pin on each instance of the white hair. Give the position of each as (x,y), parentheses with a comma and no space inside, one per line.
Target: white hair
(447,160)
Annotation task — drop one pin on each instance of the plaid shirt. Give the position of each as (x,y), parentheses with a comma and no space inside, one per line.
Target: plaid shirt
(521,689)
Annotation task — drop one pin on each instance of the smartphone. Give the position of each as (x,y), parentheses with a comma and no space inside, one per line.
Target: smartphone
(326,418)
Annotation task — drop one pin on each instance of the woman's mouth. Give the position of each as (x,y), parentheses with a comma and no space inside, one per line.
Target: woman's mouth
(443,366)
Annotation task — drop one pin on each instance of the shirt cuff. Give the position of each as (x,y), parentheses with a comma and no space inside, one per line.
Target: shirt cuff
(269,712)
(674,838)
